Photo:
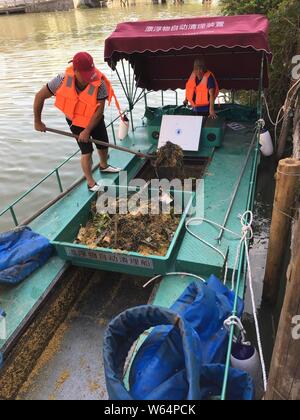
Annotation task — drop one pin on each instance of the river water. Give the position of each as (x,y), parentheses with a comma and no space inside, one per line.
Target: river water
(34,48)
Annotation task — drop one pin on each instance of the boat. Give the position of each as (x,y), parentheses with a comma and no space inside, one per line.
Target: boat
(149,58)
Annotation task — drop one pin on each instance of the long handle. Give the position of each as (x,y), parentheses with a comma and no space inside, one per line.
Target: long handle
(100,143)
(234,194)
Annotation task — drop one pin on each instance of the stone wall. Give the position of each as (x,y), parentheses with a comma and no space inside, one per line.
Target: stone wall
(49,6)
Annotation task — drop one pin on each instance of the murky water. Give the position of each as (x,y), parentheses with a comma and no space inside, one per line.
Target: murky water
(34,48)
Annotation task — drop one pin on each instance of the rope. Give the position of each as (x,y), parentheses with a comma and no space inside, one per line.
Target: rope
(284,173)
(173,274)
(269,115)
(198,219)
(284,213)
(247,234)
(282,109)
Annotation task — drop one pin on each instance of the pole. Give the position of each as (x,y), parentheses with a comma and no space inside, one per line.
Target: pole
(101,143)
(284,378)
(287,184)
(236,188)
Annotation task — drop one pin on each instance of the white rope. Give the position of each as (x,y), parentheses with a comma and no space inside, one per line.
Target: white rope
(201,219)
(278,119)
(173,274)
(282,109)
(247,234)
(285,173)
(269,115)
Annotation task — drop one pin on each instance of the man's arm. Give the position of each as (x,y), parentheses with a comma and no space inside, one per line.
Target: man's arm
(212,98)
(38,106)
(95,120)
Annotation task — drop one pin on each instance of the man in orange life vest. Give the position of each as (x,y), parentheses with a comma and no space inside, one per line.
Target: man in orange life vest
(80,93)
(202,90)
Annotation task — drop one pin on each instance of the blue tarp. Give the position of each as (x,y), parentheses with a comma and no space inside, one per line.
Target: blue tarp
(184,355)
(22,251)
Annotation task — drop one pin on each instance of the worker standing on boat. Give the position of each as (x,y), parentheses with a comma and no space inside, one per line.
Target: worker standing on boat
(202,90)
(80,93)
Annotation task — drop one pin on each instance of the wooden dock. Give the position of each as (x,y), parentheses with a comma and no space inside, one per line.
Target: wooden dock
(9,7)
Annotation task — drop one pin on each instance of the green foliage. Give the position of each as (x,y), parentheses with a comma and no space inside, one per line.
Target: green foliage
(241,7)
(284,38)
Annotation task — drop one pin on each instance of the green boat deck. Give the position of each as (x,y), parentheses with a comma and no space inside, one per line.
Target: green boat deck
(222,174)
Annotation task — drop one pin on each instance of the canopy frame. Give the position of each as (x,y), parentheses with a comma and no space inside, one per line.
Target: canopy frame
(129,84)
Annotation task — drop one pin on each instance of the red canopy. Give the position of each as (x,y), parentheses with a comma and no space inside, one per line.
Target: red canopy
(162,52)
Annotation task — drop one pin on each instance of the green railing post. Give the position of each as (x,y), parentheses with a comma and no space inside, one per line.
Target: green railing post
(59,181)
(13,214)
(113,132)
(261,86)
(162,98)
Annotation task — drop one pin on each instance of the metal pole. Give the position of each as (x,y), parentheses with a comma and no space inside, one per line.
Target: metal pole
(237,188)
(136,89)
(260,98)
(100,143)
(14,216)
(125,78)
(59,181)
(129,81)
(122,84)
(132,83)
(128,97)
(113,132)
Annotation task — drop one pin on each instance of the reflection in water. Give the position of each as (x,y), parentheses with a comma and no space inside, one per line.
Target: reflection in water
(34,48)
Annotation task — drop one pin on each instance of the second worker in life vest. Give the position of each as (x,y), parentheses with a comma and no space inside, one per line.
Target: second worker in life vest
(202,90)
(80,93)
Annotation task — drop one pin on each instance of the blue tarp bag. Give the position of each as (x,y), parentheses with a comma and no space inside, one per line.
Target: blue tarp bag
(22,251)
(126,328)
(159,369)
(240,385)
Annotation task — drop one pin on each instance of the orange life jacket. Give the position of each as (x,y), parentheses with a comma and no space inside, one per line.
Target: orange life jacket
(201,90)
(80,107)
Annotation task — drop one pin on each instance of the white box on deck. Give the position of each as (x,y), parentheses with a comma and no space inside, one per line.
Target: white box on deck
(183,130)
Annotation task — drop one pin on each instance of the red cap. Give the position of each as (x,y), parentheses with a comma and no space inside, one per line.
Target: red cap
(83,63)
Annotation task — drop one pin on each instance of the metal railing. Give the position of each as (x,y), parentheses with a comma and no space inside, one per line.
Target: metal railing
(55,171)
